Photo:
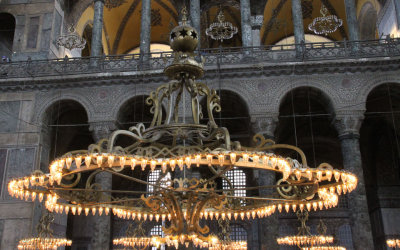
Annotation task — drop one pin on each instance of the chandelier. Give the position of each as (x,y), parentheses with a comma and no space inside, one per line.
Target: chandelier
(325,24)
(173,146)
(71,40)
(304,237)
(395,243)
(221,30)
(45,239)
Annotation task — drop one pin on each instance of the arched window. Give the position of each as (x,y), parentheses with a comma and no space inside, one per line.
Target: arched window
(154,177)
(238,180)
(7,28)
(344,236)
(238,233)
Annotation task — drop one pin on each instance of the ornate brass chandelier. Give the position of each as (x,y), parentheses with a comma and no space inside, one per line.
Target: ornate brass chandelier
(221,30)
(173,146)
(304,239)
(45,239)
(71,40)
(395,243)
(325,24)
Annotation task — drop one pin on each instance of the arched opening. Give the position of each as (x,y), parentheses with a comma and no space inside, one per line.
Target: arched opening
(68,129)
(367,21)
(7,29)
(305,120)
(380,150)
(134,111)
(234,116)
(155,48)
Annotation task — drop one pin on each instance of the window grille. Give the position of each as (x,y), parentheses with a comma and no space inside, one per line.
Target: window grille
(344,236)
(238,233)
(238,179)
(153,178)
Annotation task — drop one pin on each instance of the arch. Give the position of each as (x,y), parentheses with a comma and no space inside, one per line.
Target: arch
(234,115)
(330,96)
(133,111)
(87,35)
(141,90)
(41,108)
(367,19)
(154,48)
(373,83)
(309,38)
(305,120)
(7,30)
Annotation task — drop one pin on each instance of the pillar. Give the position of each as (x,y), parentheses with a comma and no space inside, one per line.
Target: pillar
(245,16)
(101,237)
(298,26)
(351,17)
(348,124)
(195,17)
(256,24)
(269,226)
(397,7)
(97,31)
(145,30)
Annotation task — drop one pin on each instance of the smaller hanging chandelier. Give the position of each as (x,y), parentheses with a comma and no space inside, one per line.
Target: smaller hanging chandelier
(394,243)
(45,239)
(221,30)
(304,238)
(325,24)
(71,40)
(324,248)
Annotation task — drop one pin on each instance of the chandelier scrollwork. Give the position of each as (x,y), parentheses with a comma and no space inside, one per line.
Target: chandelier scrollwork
(71,40)
(221,30)
(174,145)
(326,23)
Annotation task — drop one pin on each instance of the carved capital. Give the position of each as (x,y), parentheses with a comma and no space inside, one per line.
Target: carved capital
(257,21)
(348,123)
(264,125)
(102,129)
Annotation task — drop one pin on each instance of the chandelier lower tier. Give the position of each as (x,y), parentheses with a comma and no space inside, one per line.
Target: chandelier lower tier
(196,156)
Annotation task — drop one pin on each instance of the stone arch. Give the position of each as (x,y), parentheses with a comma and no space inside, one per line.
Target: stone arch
(7,30)
(372,84)
(42,107)
(142,90)
(367,21)
(330,96)
(134,110)
(305,120)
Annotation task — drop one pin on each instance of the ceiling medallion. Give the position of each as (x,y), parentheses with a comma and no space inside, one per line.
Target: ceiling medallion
(325,24)
(110,4)
(221,30)
(71,40)
(186,203)
(45,239)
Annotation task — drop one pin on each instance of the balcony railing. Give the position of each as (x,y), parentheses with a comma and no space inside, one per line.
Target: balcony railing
(273,54)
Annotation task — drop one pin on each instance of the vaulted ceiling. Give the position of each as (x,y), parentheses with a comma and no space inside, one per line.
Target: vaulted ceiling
(121,28)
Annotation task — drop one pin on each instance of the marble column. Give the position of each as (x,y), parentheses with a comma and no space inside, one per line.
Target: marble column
(256,24)
(195,17)
(397,7)
(351,17)
(268,227)
(97,31)
(145,30)
(298,26)
(348,124)
(245,14)
(101,236)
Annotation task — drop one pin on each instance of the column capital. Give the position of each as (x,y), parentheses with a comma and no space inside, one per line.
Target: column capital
(348,123)
(102,129)
(264,125)
(257,22)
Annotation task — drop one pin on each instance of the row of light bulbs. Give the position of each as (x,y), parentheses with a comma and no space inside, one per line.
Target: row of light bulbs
(211,242)
(395,243)
(305,240)
(43,243)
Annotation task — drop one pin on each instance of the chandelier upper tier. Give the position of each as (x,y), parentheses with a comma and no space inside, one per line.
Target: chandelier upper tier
(178,147)
(221,30)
